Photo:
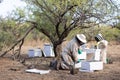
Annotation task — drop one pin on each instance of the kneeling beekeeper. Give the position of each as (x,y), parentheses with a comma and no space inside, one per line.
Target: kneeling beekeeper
(72,49)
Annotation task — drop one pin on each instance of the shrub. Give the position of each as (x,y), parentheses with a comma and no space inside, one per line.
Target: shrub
(109,33)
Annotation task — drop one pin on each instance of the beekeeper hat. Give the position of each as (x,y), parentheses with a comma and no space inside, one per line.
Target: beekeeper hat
(99,37)
(81,37)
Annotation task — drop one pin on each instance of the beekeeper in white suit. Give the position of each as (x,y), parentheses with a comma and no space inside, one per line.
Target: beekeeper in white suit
(102,44)
(70,52)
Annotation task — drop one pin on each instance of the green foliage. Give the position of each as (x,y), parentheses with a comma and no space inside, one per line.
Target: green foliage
(73,33)
(47,13)
(5,39)
(111,34)
(36,35)
(11,31)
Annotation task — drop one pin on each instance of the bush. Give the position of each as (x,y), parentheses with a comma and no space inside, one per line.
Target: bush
(6,39)
(109,33)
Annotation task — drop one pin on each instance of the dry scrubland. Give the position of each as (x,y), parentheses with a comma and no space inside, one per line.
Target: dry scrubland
(13,70)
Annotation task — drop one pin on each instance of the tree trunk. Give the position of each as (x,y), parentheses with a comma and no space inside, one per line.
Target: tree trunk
(58,51)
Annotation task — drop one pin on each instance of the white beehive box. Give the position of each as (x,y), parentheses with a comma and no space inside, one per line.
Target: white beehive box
(83,55)
(97,55)
(78,65)
(95,52)
(35,52)
(38,52)
(48,51)
(31,53)
(91,66)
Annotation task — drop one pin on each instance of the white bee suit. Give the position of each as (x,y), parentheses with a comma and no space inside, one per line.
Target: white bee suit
(103,46)
(69,53)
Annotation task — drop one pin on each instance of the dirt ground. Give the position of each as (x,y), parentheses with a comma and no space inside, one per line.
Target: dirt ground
(14,70)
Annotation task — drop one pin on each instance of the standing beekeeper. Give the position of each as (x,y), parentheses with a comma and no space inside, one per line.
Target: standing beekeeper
(71,51)
(102,44)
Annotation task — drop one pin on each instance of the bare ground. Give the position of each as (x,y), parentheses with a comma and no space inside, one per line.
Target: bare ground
(14,70)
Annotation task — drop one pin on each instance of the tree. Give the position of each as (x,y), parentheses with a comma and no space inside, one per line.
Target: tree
(55,19)
(13,31)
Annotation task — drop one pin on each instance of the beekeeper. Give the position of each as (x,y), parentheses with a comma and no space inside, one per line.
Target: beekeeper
(102,44)
(72,49)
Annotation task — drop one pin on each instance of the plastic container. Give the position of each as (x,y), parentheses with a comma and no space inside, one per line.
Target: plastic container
(31,53)
(48,50)
(38,52)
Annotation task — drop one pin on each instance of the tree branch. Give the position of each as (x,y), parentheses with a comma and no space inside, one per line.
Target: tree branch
(61,19)
(17,42)
(42,8)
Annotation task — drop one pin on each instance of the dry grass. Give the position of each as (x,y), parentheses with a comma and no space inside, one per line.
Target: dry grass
(13,70)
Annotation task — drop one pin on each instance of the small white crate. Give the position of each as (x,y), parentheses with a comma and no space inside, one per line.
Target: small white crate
(97,55)
(95,52)
(38,52)
(35,52)
(78,65)
(48,50)
(31,52)
(91,66)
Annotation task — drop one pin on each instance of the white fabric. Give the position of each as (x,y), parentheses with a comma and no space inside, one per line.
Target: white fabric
(81,37)
(103,46)
(37,71)
(70,53)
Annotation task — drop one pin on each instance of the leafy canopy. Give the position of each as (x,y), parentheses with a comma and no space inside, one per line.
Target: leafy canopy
(55,18)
